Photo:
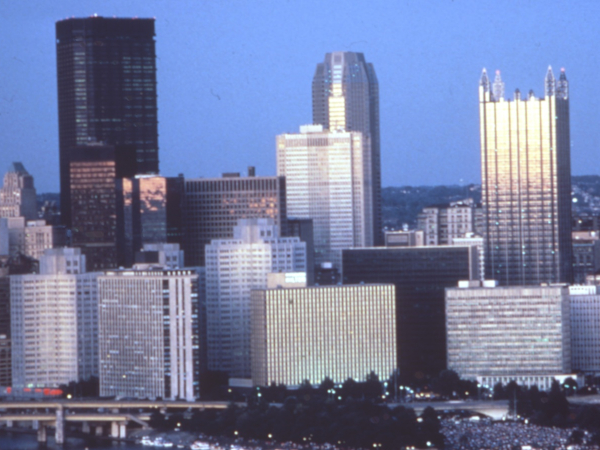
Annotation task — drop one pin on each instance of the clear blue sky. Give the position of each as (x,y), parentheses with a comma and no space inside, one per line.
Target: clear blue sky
(234,74)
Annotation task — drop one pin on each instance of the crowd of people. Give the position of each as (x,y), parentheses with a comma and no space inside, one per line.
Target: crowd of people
(469,434)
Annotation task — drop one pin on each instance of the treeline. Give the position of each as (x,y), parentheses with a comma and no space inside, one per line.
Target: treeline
(351,417)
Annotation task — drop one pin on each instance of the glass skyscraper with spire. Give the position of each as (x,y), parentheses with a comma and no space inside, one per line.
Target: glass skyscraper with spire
(526,182)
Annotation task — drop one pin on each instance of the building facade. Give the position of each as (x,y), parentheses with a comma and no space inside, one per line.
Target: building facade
(508,331)
(149,211)
(93,177)
(586,254)
(585,329)
(526,183)
(212,207)
(148,333)
(54,322)
(17,194)
(443,223)
(328,178)
(106,73)
(310,333)
(345,95)
(30,238)
(233,268)
(420,275)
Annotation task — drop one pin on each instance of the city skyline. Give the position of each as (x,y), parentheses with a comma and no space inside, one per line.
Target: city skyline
(256,80)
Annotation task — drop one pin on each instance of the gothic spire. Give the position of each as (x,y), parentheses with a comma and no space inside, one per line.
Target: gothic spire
(498,87)
(484,81)
(550,83)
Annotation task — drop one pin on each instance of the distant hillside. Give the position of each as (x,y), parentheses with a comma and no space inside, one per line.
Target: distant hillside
(402,204)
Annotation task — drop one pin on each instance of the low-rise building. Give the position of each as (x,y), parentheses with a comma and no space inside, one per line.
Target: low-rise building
(310,333)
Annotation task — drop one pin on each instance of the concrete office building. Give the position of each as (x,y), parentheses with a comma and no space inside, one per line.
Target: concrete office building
(212,207)
(586,254)
(310,333)
(233,268)
(5,343)
(585,329)
(526,183)
(328,177)
(443,223)
(106,76)
(30,237)
(420,275)
(345,96)
(503,333)
(17,194)
(148,333)
(54,322)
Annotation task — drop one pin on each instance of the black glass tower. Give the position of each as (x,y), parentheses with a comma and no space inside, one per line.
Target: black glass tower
(345,95)
(106,71)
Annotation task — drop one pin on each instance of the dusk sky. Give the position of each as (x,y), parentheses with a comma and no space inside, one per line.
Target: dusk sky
(234,74)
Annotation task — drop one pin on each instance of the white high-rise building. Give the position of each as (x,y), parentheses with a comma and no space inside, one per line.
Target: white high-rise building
(54,322)
(233,268)
(149,333)
(29,237)
(329,179)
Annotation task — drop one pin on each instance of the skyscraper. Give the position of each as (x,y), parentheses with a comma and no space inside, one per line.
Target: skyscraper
(526,182)
(328,179)
(106,72)
(345,96)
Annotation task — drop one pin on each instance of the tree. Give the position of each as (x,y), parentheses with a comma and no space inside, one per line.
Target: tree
(373,387)
(447,383)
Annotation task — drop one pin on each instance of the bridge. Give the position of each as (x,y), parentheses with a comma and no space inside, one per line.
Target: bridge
(55,413)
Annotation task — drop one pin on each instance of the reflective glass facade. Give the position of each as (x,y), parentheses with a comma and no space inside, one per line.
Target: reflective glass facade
(93,202)
(149,211)
(526,183)
(345,94)
(106,71)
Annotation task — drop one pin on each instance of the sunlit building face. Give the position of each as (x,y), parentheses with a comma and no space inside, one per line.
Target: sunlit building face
(526,183)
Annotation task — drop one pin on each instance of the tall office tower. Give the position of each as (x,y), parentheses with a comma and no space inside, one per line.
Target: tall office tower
(310,333)
(17,194)
(442,223)
(328,179)
(148,333)
(526,183)
(106,72)
(55,341)
(345,96)
(303,228)
(149,211)
(233,268)
(212,207)
(498,334)
(92,175)
(420,275)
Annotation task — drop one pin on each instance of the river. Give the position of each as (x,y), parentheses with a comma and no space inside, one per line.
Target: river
(19,441)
